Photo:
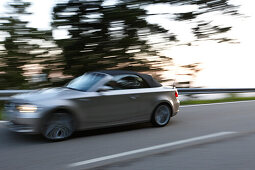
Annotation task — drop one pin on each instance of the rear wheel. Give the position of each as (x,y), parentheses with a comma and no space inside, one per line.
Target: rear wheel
(59,126)
(161,115)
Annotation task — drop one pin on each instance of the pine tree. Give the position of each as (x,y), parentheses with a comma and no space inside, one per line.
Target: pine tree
(116,36)
(19,46)
(104,37)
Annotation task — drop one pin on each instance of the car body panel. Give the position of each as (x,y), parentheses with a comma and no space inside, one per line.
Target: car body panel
(91,109)
(106,109)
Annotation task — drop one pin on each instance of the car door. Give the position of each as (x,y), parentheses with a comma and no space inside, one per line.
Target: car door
(120,106)
(131,87)
(116,106)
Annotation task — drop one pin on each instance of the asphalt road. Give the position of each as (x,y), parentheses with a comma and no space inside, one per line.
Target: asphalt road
(217,136)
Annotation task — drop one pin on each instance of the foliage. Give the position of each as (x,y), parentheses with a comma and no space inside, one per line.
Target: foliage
(22,46)
(105,37)
(119,37)
(100,36)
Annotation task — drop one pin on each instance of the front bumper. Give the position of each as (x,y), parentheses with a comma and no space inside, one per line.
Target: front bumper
(20,128)
(22,122)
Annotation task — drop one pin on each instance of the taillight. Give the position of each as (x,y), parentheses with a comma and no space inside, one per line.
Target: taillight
(176,93)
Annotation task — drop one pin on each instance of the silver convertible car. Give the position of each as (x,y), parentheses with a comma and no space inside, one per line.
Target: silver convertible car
(93,100)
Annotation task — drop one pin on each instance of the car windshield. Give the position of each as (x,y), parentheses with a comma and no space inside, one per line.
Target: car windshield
(85,82)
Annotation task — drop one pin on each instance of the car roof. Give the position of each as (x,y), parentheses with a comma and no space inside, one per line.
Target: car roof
(147,78)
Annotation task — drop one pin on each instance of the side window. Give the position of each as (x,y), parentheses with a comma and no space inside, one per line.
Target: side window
(127,82)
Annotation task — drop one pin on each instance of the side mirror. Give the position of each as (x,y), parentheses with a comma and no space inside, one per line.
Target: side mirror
(104,88)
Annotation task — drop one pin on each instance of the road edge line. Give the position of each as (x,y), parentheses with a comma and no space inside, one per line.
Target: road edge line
(151,148)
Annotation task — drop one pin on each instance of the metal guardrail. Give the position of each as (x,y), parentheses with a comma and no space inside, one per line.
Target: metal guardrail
(213,90)
(5,94)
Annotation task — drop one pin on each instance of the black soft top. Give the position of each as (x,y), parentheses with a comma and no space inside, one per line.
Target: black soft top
(150,81)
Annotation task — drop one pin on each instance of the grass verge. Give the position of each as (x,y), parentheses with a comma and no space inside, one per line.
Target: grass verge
(228,99)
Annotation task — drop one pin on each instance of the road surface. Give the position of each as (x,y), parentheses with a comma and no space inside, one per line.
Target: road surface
(214,136)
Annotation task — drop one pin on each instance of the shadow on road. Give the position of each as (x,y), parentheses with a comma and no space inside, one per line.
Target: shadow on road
(117,129)
(109,130)
(20,139)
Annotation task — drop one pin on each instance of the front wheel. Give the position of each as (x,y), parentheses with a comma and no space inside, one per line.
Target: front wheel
(58,126)
(161,115)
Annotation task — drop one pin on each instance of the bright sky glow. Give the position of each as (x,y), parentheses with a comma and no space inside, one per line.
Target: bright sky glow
(223,64)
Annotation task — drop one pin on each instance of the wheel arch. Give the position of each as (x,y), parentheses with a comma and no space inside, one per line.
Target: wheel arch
(61,109)
(166,102)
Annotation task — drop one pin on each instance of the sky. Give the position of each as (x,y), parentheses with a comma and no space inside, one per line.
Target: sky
(223,64)
(41,10)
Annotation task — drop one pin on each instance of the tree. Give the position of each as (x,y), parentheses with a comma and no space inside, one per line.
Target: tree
(100,36)
(22,45)
(104,37)
(116,36)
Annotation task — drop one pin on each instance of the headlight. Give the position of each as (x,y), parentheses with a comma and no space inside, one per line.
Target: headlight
(26,108)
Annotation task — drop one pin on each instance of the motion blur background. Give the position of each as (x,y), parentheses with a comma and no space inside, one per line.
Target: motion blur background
(197,43)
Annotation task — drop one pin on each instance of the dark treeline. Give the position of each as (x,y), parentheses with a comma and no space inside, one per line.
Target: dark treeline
(100,36)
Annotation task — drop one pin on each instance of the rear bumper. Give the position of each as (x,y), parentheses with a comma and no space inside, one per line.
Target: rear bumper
(176,107)
(175,113)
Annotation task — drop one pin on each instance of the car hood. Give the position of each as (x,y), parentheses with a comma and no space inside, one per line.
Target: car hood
(47,94)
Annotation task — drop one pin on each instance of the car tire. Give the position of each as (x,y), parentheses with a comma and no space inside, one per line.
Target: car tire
(58,127)
(161,115)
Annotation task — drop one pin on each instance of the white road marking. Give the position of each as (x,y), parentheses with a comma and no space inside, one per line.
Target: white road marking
(2,121)
(209,104)
(132,152)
